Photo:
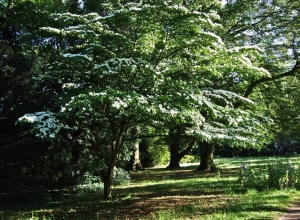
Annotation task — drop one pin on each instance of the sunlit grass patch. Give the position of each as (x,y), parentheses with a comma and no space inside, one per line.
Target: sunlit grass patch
(252,205)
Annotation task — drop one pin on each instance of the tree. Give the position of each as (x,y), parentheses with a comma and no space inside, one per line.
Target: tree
(146,63)
(271,25)
(278,22)
(20,63)
(177,139)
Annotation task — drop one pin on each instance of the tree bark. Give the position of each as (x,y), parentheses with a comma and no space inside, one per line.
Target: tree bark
(135,162)
(185,151)
(175,156)
(174,136)
(206,155)
(108,182)
(174,160)
(107,179)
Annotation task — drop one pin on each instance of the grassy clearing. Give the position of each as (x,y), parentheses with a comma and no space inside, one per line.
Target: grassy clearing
(161,194)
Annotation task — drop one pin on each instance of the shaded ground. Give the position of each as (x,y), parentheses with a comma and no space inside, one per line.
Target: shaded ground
(150,193)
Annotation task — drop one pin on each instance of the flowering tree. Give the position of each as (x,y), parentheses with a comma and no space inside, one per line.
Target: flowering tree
(156,63)
(274,25)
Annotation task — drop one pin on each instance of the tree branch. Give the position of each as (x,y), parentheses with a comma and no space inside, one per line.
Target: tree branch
(255,83)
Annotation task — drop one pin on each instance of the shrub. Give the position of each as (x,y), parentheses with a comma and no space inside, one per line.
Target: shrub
(159,155)
(121,177)
(153,152)
(282,176)
(251,179)
(90,183)
(276,176)
(188,159)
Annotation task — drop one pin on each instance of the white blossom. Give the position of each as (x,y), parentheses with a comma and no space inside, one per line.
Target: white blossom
(118,103)
(45,123)
(70,85)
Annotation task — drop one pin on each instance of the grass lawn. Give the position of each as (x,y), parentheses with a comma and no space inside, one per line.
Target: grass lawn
(162,194)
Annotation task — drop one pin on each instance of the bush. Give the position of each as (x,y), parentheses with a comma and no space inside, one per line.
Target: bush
(188,159)
(90,183)
(153,152)
(121,177)
(251,179)
(282,176)
(276,176)
(159,155)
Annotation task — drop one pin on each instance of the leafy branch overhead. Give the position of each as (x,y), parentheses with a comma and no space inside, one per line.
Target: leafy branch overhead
(168,55)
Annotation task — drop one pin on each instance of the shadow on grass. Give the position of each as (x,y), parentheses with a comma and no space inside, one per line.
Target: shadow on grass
(151,192)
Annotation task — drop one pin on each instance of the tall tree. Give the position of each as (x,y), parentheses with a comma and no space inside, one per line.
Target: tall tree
(20,63)
(146,62)
(272,26)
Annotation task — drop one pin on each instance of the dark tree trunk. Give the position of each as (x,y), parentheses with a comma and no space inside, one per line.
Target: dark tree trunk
(115,147)
(175,156)
(174,160)
(206,156)
(108,176)
(108,183)
(174,138)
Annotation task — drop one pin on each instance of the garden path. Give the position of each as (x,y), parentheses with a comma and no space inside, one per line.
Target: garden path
(293,213)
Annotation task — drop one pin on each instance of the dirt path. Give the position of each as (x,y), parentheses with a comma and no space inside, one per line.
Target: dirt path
(292,214)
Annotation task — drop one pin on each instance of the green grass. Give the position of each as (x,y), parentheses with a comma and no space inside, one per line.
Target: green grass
(163,194)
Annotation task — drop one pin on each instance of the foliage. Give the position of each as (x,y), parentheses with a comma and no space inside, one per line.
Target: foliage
(159,155)
(274,26)
(188,159)
(250,179)
(278,175)
(283,176)
(120,177)
(20,64)
(180,107)
(228,151)
(90,183)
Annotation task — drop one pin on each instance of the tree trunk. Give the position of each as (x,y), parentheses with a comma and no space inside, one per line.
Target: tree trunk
(174,139)
(108,183)
(185,151)
(115,147)
(175,156)
(174,161)
(136,163)
(206,156)
(108,176)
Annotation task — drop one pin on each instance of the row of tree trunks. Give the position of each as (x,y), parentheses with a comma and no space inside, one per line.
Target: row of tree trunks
(175,135)
(206,155)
